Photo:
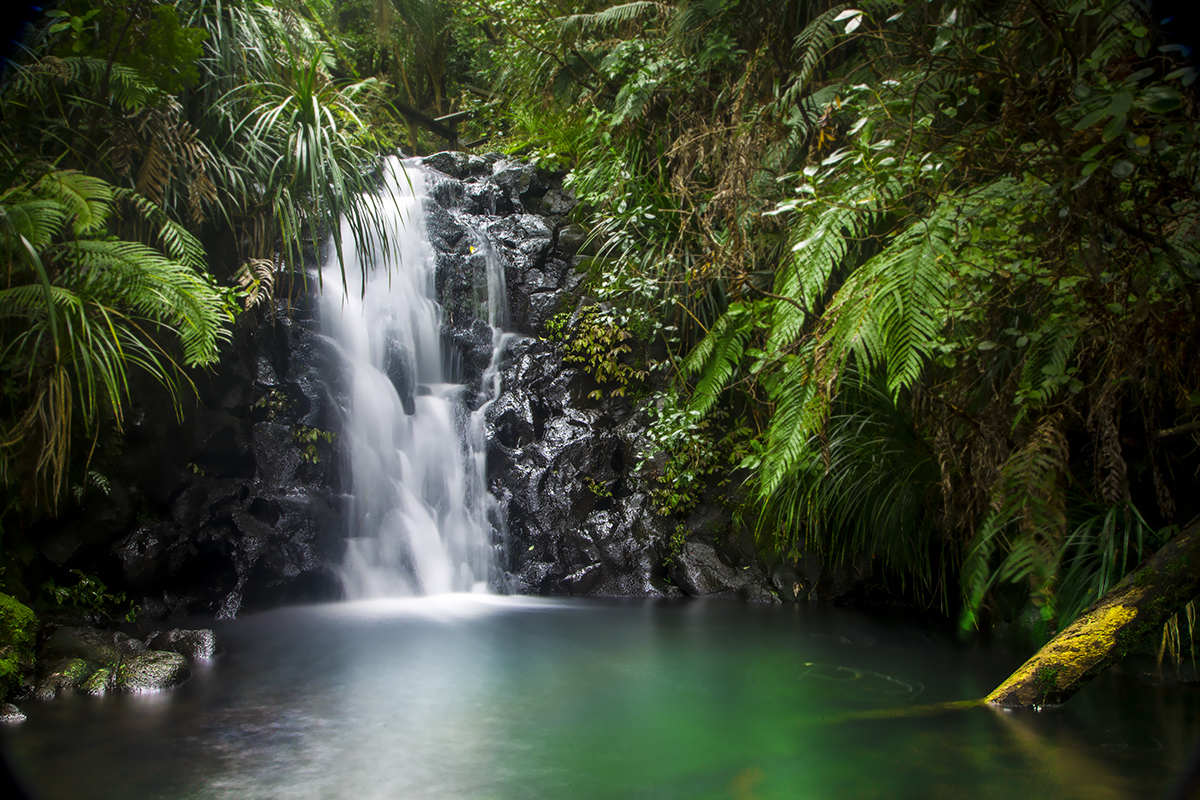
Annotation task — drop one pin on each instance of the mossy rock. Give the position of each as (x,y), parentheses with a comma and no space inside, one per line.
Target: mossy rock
(100,682)
(152,671)
(18,629)
(62,676)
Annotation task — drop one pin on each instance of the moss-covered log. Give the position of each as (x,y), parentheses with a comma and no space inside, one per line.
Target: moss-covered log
(1136,607)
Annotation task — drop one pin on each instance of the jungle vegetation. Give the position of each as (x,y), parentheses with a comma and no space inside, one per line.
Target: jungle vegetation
(165,166)
(932,265)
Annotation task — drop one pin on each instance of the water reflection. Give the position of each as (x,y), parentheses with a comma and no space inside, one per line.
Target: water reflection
(478,696)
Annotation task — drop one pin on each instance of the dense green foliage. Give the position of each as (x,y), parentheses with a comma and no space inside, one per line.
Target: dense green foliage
(134,133)
(943,257)
(18,634)
(929,269)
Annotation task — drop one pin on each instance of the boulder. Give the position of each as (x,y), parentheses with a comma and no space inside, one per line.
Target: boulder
(194,645)
(152,671)
(61,676)
(699,570)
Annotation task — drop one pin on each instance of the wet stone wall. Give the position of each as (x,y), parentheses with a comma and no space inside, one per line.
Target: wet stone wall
(240,505)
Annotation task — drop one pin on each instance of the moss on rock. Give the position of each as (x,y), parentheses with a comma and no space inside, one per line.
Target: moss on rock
(63,676)
(99,683)
(18,629)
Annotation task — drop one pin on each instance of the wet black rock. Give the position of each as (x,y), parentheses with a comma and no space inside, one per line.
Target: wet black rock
(195,645)
(576,517)
(239,510)
(516,211)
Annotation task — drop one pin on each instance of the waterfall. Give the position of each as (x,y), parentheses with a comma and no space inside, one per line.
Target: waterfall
(418,517)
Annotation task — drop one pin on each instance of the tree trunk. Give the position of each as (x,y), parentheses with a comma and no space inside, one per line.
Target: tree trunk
(1106,632)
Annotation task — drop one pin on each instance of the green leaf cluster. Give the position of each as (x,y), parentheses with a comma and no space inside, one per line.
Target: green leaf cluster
(943,256)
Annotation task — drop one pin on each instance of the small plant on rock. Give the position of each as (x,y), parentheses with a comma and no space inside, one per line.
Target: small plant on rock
(307,438)
(599,341)
(90,595)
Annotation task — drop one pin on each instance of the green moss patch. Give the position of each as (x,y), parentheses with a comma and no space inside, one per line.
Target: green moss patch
(18,628)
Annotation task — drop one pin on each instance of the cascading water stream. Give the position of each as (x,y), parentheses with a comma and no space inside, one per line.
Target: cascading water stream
(418,518)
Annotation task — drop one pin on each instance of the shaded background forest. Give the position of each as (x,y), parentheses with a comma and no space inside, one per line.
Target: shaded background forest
(907,285)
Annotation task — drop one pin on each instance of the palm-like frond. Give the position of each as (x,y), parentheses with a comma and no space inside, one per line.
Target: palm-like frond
(640,11)
(80,310)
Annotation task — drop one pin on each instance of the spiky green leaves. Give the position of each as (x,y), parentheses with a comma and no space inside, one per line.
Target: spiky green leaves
(80,308)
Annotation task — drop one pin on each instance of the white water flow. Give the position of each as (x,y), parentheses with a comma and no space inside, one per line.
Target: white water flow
(418,517)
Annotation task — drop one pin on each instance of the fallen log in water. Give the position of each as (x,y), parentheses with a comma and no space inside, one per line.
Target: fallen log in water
(1110,629)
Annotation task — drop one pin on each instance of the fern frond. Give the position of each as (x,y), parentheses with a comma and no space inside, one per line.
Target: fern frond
(128,88)
(810,45)
(798,400)
(640,11)
(717,355)
(821,235)
(85,199)
(176,241)
(909,297)
(39,221)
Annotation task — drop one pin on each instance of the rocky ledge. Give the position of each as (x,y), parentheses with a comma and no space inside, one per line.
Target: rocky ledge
(97,662)
(575,515)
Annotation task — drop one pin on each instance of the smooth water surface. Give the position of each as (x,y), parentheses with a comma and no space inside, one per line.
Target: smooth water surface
(478,696)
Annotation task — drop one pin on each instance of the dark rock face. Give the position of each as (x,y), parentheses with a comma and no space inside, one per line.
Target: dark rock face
(479,202)
(577,518)
(252,512)
(232,508)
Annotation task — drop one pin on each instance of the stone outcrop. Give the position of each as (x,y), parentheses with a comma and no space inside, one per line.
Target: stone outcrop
(96,662)
(230,508)
(576,516)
